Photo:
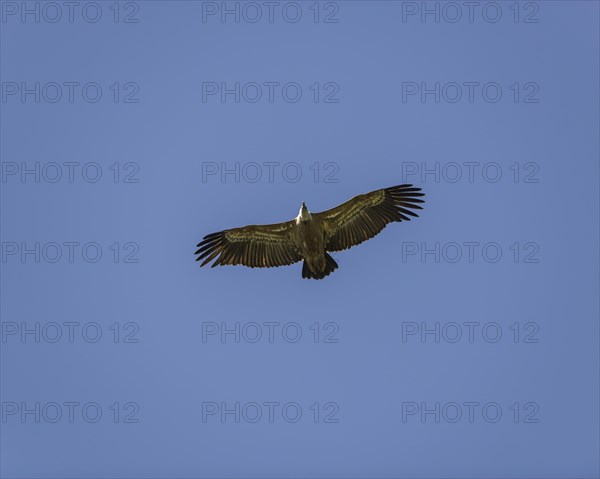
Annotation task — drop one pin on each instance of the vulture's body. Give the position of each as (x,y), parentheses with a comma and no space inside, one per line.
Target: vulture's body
(308,232)
(310,236)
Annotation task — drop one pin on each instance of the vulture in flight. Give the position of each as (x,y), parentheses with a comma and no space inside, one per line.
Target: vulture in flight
(310,236)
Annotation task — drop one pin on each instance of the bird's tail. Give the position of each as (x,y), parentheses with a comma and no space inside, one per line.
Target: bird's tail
(330,267)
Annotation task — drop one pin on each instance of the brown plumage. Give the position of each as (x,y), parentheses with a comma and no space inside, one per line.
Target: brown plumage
(310,236)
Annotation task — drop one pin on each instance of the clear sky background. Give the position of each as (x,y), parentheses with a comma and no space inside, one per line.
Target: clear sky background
(461,344)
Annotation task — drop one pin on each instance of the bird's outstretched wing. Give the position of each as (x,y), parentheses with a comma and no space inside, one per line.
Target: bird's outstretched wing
(257,246)
(362,217)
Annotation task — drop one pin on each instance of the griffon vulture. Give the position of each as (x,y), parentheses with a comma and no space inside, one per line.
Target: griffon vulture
(310,236)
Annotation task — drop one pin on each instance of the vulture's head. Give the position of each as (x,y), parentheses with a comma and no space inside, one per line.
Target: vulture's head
(303,214)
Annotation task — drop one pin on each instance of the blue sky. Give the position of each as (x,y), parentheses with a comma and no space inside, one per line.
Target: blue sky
(461,344)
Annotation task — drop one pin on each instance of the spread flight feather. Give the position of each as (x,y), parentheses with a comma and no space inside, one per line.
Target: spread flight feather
(309,236)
